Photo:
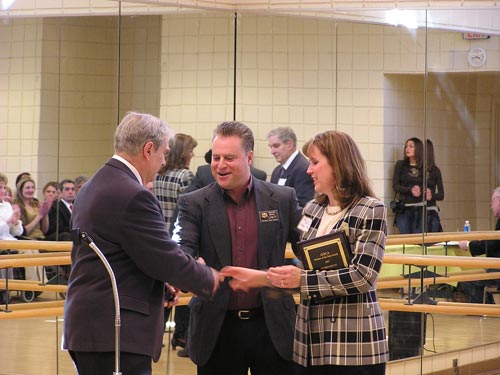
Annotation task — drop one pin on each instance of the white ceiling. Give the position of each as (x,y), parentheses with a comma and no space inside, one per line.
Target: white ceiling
(464,15)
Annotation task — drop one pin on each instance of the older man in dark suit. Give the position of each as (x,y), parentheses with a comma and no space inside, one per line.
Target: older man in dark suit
(239,220)
(292,170)
(126,222)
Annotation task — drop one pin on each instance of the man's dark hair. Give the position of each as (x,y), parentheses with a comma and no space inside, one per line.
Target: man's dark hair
(237,129)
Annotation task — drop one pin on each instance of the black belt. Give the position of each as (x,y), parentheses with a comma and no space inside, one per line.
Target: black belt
(246,314)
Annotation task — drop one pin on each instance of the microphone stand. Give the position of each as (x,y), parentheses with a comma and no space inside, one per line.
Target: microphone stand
(84,236)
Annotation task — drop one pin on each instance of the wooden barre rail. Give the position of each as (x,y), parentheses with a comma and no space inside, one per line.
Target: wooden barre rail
(36,245)
(27,260)
(56,308)
(433,238)
(402,282)
(62,257)
(455,308)
(393,239)
(36,286)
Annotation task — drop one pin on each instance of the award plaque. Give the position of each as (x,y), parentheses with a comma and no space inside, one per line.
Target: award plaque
(329,252)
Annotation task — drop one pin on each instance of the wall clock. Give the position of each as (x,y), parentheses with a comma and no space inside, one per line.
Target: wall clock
(477,57)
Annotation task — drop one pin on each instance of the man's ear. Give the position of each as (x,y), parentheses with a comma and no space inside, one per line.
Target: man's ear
(250,157)
(148,148)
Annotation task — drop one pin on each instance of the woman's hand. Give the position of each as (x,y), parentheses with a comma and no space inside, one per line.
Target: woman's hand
(428,194)
(16,215)
(245,278)
(284,276)
(44,207)
(415,191)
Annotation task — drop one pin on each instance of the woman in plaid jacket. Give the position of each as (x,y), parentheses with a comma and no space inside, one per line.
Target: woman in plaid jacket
(340,327)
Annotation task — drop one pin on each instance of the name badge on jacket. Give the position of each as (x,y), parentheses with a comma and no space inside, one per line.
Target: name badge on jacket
(268,216)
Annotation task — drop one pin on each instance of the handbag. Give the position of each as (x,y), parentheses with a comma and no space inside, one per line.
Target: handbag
(397,205)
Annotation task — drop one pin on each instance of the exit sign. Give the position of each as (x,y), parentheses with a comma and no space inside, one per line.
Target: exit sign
(475,36)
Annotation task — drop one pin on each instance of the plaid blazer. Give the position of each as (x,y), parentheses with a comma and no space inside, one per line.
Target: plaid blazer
(168,187)
(339,320)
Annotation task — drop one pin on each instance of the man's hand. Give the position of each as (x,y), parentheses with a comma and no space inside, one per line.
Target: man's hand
(245,278)
(464,245)
(218,278)
(171,295)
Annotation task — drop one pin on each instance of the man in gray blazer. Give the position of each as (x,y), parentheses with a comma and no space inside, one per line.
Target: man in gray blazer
(239,220)
(126,222)
(292,170)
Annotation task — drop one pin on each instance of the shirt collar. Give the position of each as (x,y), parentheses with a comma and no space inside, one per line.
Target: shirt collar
(130,166)
(68,204)
(290,159)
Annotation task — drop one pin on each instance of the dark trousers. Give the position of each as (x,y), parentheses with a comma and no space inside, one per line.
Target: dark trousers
(243,345)
(347,370)
(474,290)
(103,363)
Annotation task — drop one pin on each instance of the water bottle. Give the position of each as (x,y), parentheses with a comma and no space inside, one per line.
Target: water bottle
(466,226)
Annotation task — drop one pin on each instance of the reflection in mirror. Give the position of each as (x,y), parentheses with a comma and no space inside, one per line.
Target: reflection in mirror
(197,84)
(352,71)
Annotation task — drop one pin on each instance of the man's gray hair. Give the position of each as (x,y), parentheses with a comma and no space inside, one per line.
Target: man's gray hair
(138,128)
(284,134)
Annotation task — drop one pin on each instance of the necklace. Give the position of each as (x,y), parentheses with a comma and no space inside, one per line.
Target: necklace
(332,210)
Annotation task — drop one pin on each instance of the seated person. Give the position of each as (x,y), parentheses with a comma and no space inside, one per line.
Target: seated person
(474,290)
(10,217)
(51,190)
(35,219)
(60,213)
(10,226)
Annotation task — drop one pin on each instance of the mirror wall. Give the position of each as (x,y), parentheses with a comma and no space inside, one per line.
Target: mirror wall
(66,81)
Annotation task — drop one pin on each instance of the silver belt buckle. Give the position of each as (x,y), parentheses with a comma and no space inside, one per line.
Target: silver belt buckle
(240,316)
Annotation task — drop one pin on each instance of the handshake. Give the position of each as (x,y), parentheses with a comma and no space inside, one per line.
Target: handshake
(285,277)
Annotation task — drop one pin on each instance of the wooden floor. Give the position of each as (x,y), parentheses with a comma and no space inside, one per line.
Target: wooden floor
(31,346)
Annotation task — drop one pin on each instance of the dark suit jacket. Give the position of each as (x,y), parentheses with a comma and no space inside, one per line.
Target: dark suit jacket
(204,177)
(489,247)
(126,222)
(297,177)
(204,231)
(59,218)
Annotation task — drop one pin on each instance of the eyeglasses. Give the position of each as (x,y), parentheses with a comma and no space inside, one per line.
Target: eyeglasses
(68,188)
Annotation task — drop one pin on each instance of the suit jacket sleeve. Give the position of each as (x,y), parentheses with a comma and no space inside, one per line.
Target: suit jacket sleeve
(165,260)
(489,247)
(367,237)
(187,231)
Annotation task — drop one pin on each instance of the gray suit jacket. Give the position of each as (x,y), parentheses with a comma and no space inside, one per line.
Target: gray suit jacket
(126,222)
(203,230)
